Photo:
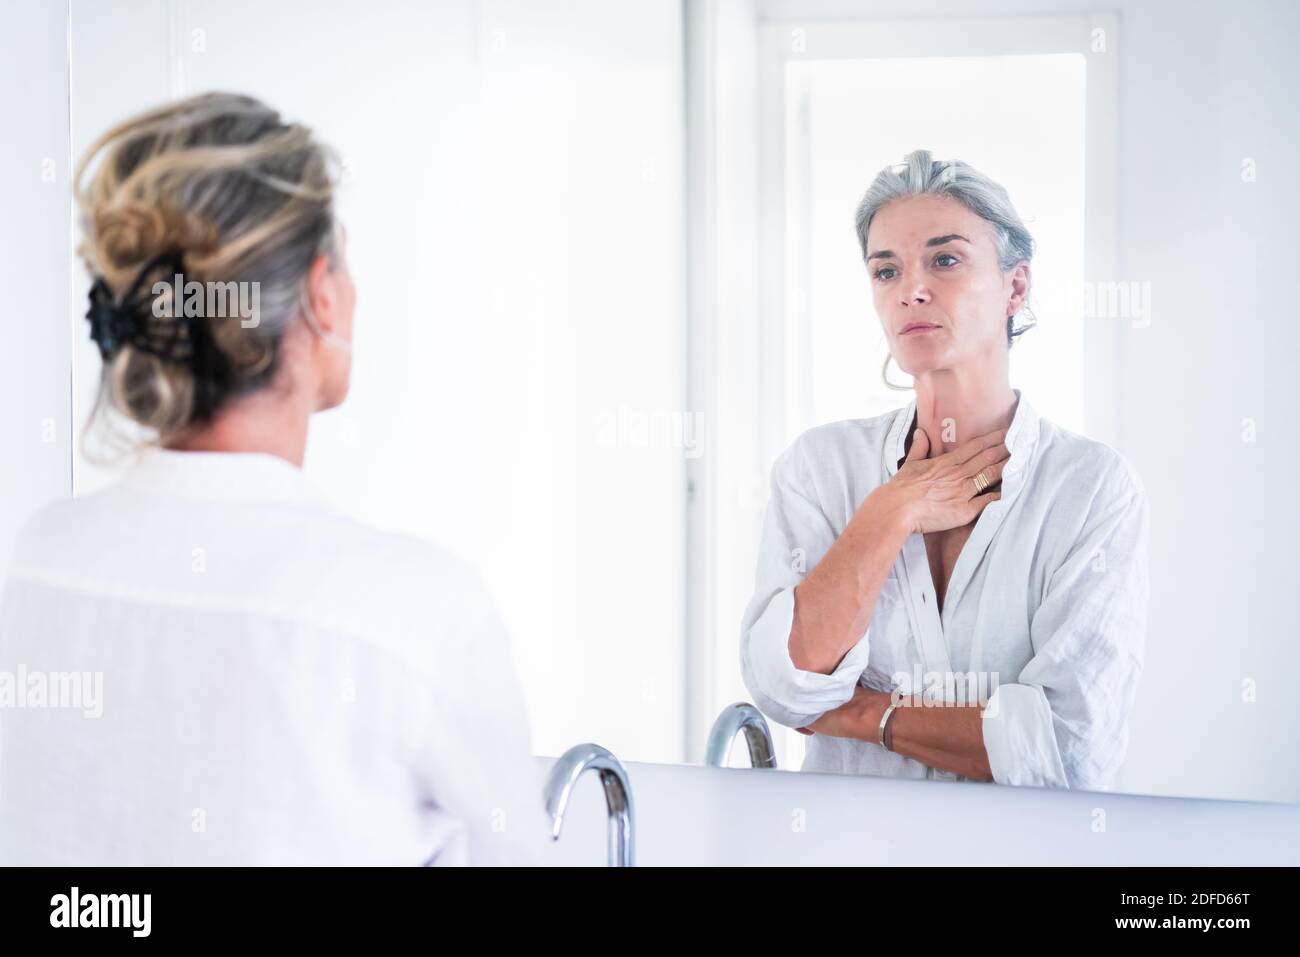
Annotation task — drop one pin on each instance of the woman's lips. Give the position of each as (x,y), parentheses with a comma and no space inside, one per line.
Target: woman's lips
(918,328)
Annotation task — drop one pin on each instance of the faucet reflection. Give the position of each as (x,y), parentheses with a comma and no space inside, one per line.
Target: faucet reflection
(618,796)
(741,716)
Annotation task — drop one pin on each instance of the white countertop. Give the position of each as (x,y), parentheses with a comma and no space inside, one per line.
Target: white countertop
(694,815)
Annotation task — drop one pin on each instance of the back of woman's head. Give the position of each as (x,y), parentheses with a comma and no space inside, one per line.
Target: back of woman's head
(220,189)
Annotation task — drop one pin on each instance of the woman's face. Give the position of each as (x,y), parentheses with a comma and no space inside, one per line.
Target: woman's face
(339,303)
(933,262)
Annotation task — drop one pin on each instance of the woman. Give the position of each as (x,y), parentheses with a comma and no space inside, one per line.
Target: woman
(974,606)
(280,684)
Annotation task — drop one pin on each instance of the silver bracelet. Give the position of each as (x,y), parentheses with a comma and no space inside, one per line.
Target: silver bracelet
(884,720)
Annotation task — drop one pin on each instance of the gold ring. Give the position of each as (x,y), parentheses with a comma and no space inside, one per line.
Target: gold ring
(981,483)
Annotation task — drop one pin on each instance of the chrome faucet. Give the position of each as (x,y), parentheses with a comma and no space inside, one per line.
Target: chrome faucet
(618,796)
(741,716)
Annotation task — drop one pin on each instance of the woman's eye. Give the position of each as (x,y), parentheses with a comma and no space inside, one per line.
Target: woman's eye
(880,273)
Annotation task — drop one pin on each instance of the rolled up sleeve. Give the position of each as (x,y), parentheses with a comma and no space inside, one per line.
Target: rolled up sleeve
(796,535)
(1064,723)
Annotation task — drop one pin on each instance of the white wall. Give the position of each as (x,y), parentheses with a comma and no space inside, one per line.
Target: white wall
(1200,92)
(35,419)
(725,364)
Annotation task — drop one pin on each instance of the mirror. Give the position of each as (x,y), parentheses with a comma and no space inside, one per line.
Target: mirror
(608,277)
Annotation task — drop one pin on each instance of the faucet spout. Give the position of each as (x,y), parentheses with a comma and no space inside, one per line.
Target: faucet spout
(741,717)
(566,771)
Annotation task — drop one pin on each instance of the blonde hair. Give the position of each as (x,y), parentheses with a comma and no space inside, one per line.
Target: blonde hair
(238,195)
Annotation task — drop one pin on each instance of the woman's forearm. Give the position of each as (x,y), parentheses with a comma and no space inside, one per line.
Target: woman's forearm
(947,737)
(834,603)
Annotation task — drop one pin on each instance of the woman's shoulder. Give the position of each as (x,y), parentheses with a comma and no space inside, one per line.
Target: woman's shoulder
(55,528)
(1084,462)
(330,569)
(422,579)
(308,534)
(419,599)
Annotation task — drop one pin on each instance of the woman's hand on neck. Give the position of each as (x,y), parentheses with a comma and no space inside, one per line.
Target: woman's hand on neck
(955,405)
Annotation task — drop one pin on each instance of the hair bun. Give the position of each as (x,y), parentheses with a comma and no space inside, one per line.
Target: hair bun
(220,182)
(127,234)
(130,233)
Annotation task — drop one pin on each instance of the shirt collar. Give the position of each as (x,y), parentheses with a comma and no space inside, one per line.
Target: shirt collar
(1022,439)
(256,477)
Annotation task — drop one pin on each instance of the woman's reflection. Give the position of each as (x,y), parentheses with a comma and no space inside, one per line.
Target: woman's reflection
(956,589)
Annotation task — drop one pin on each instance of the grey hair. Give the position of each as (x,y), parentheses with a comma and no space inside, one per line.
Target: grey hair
(919,173)
(242,195)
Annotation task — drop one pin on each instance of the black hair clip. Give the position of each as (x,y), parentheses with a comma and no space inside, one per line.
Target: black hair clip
(133,321)
(171,336)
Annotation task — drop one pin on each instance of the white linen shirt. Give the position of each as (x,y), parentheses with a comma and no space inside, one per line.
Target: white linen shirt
(1047,599)
(280,684)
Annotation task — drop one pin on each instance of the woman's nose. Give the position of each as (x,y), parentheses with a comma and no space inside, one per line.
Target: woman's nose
(917,295)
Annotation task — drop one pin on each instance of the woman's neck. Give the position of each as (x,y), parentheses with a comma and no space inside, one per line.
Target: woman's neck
(259,423)
(953,408)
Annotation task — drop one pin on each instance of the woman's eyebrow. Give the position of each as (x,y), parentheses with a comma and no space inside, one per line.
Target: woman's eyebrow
(936,241)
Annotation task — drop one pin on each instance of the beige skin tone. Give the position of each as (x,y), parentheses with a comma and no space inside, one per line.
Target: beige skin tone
(964,407)
(315,368)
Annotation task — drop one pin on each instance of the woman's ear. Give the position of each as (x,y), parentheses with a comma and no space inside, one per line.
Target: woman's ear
(1019,288)
(323,295)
